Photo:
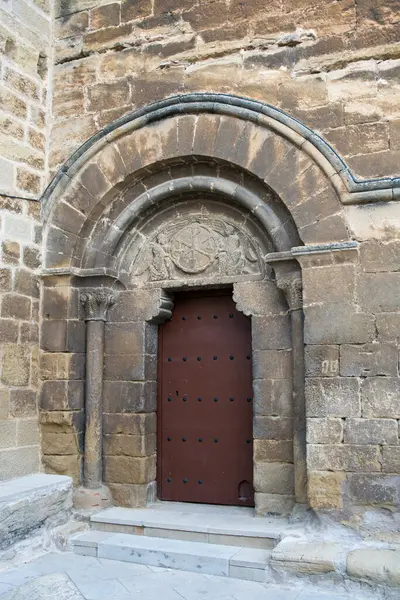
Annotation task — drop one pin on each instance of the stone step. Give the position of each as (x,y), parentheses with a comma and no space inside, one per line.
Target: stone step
(231,526)
(197,557)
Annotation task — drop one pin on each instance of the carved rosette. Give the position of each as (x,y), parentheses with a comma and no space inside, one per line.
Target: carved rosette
(96,304)
(292,286)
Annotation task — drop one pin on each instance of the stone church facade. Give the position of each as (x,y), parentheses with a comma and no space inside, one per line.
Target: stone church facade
(152,147)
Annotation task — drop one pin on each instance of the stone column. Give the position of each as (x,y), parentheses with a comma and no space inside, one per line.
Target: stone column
(96,303)
(288,279)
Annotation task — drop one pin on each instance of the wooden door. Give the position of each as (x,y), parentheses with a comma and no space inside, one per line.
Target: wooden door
(205,412)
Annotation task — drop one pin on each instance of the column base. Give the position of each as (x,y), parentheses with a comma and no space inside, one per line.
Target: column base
(88,499)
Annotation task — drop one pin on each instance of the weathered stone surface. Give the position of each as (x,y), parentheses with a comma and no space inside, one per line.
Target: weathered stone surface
(273,428)
(38,589)
(130,424)
(371,431)
(15,365)
(131,496)
(379,292)
(325,489)
(391,457)
(23,403)
(380,256)
(62,421)
(129,396)
(61,443)
(62,395)
(377,565)
(368,360)
(272,364)
(380,397)
(16,307)
(127,469)
(272,397)
(337,324)
(376,488)
(129,445)
(325,431)
(271,333)
(388,326)
(321,361)
(332,283)
(306,558)
(274,478)
(333,397)
(70,465)
(275,504)
(273,451)
(340,457)
(30,503)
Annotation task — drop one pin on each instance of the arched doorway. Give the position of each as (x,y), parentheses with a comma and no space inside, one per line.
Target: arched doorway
(118,221)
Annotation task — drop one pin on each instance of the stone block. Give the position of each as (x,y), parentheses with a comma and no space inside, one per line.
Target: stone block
(379,292)
(371,431)
(23,403)
(127,469)
(271,333)
(71,25)
(28,181)
(391,458)
(55,302)
(130,367)
(272,428)
(28,432)
(129,396)
(68,464)
(16,307)
(26,283)
(10,253)
(380,256)
(273,397)
(272,364)
(274,478)
(133,306)
(368,360)
(135,9)
(62,421)
(15,365)
(105,16)
(107,95)
(129,445)
(388,326)
(128,424)
(377,565)
(273,451)
(29,333)
(62,395)
(333,282)
(375,489)
(8,434)
(54,365)
(125,338)
(337,324)
(340,457)
(321,361)
(324,431)
(17,462)
(275,504)
(54,336)
(31,258)
(371,137)
(325,489)
(61,443)
(8,331)
(259,298)
(4,404)
(306,558)
(132,496)
(333,397)
(380,397)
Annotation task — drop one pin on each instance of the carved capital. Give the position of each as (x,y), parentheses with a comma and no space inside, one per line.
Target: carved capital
(96,304)
(292,286)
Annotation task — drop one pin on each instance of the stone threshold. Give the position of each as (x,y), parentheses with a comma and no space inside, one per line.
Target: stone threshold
(235,526)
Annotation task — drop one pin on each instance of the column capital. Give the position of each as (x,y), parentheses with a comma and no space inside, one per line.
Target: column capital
(96,304)
(288,277)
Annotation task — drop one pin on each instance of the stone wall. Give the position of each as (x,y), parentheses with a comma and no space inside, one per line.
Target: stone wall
(20,261)
(333,65)
(25,66)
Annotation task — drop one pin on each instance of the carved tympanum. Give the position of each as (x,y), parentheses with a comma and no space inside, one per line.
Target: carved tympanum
(199,244)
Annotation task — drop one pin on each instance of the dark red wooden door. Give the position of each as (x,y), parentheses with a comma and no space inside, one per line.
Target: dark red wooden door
(205,439)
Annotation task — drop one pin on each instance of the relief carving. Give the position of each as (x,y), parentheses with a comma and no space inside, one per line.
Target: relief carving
(197,245)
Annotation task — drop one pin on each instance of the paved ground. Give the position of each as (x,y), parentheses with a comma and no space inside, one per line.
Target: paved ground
(101,579)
